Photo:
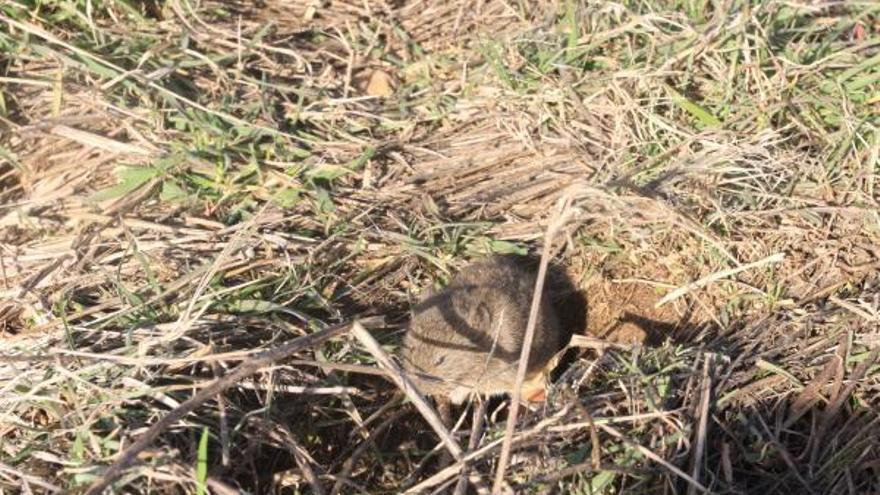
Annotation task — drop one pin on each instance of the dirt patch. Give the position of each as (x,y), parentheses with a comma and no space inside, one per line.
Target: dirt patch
(619,308)
(625,312)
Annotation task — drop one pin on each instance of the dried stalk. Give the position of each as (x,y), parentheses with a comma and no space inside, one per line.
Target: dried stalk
(564,214)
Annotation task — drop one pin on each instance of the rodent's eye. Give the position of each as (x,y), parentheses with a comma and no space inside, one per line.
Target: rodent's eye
(439,360)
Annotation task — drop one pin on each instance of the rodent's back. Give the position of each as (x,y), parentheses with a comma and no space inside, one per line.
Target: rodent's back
(476,325)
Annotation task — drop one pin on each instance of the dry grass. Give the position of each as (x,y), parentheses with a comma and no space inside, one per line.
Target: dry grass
(186,184)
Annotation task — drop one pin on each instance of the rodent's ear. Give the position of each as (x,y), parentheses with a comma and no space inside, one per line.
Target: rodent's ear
(480,316)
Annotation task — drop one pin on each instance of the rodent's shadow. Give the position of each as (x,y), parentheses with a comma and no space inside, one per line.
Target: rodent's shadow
(658,331)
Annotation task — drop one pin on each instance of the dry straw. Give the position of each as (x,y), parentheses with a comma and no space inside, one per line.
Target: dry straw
(744,188)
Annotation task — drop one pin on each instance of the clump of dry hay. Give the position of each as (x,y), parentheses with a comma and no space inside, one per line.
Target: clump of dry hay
(264,195)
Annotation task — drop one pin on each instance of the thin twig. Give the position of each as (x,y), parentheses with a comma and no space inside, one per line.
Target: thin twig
(473,442)
(300,389)
(595,445)
(705,393)
(56,354)
(97,141)
(562,217)
(610,421)
(408,387)
(220,488)
(593,343)
(224,422)
(775,258)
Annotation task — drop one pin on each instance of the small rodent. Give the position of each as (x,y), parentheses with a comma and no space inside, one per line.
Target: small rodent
(468,336)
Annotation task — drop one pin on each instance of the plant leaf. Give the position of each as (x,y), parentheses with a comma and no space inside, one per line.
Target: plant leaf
(202,463)
(505,247)
(130,178)
(696,111)
(171,192)
(327,172)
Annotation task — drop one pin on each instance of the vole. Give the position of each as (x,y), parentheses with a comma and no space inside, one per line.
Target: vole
(468,336)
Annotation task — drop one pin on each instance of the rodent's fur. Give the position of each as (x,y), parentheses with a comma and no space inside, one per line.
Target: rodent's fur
(469,335)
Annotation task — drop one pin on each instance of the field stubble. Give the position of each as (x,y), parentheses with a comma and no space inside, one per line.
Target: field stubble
(186,184)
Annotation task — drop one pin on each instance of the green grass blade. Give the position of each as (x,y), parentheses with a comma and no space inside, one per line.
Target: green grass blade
(202,463)
(696,111)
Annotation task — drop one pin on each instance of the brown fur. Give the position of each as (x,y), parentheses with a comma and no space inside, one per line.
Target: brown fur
(469,335)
